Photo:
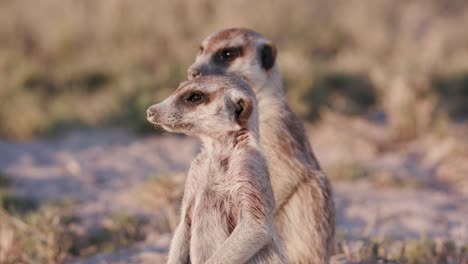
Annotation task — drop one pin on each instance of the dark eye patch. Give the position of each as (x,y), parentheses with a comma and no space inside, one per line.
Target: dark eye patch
(227,55)
(194,97)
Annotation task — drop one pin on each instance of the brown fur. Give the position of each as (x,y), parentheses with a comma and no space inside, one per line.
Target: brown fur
(304,214)
(228,204)
(227,34)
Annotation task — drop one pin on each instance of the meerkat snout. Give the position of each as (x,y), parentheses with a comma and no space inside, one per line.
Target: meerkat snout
(150,113)
(193,73)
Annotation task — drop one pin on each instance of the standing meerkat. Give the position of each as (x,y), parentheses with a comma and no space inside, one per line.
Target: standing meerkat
(228,203)
(305,211)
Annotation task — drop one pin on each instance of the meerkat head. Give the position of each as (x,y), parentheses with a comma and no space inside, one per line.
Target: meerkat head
(209,106)
(241,52)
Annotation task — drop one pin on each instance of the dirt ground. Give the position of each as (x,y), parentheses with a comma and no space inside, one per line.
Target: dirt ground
(99,169)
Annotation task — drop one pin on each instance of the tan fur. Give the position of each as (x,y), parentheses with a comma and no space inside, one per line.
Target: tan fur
(228,204)
(304,214)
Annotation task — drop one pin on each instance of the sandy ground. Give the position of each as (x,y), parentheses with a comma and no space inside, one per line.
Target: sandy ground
(97,169)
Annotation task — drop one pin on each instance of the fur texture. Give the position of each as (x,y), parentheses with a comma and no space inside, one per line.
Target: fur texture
(305,211)
(228,204)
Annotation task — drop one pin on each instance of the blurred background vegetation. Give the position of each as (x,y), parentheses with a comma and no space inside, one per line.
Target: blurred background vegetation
(366,75)
(66,64)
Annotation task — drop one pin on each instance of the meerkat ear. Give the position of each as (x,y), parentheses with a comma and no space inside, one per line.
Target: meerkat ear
(243,110)
(267,54)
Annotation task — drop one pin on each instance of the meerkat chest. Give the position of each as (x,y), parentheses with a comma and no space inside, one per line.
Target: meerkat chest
(214,217)
(215,180)
(215,192)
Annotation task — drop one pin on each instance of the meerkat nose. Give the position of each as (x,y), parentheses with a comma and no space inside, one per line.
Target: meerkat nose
(193,73)
(150,113)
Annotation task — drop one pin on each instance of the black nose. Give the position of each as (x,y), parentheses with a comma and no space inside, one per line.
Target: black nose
(193,73)
(150,113)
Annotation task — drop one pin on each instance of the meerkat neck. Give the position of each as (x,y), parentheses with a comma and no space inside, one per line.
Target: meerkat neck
(211,143)
(231,139)
(272,87)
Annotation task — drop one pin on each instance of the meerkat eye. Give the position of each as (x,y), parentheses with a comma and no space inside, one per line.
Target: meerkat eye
(200,50)
(227,55)
(194,97)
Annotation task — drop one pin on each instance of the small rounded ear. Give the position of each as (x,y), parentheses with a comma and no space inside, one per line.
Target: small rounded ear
(243,110)
(267,54)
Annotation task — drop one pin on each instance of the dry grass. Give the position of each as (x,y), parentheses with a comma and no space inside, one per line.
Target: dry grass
(39,238)
(46,236)
(411,251)
(94,63)
(118,231)
(47,233)
(30,233)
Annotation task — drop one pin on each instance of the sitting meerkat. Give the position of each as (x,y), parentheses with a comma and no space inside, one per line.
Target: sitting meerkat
(228,203)
(305,211)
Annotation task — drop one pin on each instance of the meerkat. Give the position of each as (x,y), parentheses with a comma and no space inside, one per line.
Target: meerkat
(228,203)
(305,211)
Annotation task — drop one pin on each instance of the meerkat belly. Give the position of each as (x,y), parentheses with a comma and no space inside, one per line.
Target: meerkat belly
(212,224)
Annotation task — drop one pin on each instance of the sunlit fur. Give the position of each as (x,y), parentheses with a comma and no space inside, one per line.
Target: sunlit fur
(305,211)
(228,204)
